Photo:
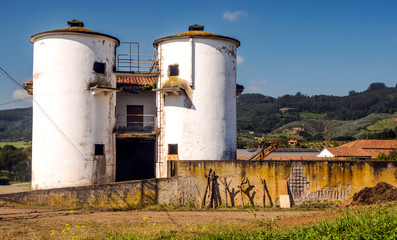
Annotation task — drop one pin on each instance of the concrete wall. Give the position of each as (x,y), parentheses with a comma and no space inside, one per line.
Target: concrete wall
(203,121)
(307,180)
(68,120)
(121,195)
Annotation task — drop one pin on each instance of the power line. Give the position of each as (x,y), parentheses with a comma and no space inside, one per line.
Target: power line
(45,114)
(11,78)
(6,103)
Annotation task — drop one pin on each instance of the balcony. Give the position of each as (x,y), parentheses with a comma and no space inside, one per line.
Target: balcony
(136,125)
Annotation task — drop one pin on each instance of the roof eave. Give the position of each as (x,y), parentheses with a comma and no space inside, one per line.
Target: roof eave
(65,32)
(172,37)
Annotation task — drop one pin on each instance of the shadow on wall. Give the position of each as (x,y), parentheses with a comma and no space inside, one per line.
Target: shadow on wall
(255,183)
(120,195)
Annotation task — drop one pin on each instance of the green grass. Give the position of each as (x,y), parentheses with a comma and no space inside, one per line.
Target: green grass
(364,222)
(309,115)
(389,123)
(370,224)
(285,109)
(19,144)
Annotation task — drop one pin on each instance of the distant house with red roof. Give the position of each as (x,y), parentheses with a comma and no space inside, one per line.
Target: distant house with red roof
(364,149)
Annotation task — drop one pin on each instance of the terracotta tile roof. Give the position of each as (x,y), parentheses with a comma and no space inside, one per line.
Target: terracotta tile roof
(302,158)
(372,144)
(136,80)
(375,153)
(349,152)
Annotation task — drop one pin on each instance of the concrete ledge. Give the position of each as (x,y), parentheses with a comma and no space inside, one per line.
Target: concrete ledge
(119,195)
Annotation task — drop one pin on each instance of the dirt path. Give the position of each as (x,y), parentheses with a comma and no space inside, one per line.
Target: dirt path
(171,217)
(13,188)
(17,223)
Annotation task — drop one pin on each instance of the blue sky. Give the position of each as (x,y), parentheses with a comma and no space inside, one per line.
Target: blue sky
(315,47)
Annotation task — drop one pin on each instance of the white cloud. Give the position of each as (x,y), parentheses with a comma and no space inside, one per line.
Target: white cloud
(20,94)
(233,16)
(240,59)
(252,88)
(256,86)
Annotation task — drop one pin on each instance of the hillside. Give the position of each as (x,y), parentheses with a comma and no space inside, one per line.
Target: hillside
(16,124)
(331,129)
(328,115)
(320,116)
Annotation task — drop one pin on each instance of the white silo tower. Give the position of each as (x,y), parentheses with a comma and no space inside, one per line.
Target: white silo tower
(196,97)
(73,108)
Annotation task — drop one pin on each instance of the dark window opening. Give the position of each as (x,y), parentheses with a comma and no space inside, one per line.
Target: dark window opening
(173,70)
(99,149)
(99,67)
(172,148)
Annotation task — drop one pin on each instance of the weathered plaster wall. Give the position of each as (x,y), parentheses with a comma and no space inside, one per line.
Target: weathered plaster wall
(203,121)
(68,120)
(121,195)
(307,180)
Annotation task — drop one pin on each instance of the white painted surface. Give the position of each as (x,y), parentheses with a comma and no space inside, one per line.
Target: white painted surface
(147,99)
(67,119)
(204,127)
(285,201)
(325,153)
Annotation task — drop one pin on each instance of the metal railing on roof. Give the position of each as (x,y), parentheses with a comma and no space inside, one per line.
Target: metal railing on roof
(136,62)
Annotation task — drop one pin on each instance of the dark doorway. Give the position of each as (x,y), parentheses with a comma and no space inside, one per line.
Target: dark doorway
(135,159)
(134,117)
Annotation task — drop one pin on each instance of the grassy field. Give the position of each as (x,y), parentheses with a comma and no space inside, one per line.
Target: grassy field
(19,144)
(363,222)
(367,223)
(308,115)
(389,123)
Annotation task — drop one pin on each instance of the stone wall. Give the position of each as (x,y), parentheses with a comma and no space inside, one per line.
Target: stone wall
(120,195)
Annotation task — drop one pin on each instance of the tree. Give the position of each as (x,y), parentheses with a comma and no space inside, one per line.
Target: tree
(376,86)
(15,162)
(352,93)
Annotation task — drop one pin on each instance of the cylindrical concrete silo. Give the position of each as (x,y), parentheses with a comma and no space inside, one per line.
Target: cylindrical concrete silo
(73,108)
(198,123)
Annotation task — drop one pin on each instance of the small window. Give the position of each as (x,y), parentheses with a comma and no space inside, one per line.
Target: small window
(172,148)
(99,67)
(173,70)
(99,149)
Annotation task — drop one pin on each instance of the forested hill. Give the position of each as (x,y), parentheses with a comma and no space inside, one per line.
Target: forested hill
(259,113)
(16,124)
